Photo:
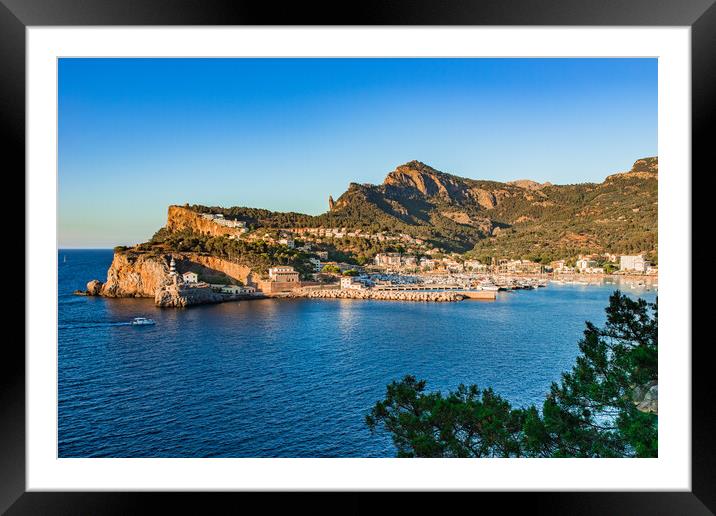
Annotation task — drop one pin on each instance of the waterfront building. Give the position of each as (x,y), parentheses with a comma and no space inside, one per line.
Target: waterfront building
(558,266)
(283,274)
(584,263)
(236,289)
(409,261)
(452,265)
(636,263)
(348,282)
(190,277)
(519,266)
(475,265)
(388,259)
(427,264)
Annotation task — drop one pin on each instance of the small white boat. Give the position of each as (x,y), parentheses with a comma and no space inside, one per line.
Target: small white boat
(142,321)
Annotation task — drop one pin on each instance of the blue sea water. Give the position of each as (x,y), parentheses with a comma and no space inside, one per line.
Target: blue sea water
(289,378)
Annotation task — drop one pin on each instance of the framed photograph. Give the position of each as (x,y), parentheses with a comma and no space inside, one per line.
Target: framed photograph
(414,250)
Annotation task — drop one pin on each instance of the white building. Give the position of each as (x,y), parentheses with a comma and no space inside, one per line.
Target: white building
(237,289)
(409,261)
(558,265)
(388,259)
(190,277)
(474,265)
(316,264)
(452,265)
(584,264)
(287,241)
(219,218)
(427,264)
(635,263)
(348,282)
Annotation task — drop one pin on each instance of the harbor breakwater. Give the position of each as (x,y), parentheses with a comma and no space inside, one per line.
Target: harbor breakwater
(384,295)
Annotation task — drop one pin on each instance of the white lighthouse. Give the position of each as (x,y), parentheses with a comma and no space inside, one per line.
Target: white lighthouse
(173,271)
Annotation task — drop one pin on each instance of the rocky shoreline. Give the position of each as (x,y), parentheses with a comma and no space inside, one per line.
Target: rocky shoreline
(178,297)
(171,296)
(382,295)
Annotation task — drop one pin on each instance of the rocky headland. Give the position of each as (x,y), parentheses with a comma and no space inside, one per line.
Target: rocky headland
(147,275)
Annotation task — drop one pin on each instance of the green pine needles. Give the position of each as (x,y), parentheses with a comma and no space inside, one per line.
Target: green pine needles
(604,407)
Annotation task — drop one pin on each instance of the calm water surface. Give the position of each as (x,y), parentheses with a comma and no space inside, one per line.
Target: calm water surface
(289,378)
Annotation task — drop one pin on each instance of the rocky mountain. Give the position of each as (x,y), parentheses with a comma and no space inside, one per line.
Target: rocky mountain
(516,219)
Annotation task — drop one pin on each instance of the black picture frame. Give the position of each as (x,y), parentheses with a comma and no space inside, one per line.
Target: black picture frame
(16,15)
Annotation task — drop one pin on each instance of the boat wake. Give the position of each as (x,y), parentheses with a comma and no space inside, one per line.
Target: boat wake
(91,325)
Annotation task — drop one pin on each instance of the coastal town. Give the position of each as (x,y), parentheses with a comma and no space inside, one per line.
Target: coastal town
(418,273)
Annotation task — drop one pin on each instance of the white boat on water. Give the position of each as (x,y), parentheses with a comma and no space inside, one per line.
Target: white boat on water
(142,321)
(489,286)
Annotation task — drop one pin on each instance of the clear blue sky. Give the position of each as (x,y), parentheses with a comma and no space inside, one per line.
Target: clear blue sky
(136,135)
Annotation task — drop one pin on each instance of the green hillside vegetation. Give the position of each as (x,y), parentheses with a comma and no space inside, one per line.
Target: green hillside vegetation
(486,219)
(257,255)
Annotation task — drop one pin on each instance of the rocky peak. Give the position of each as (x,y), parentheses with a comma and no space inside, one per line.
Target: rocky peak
(417,166)
(528,184)
(428,181)
(645,168)
(648,165)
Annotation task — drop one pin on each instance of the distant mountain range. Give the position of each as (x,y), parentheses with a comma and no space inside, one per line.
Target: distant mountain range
(488,218)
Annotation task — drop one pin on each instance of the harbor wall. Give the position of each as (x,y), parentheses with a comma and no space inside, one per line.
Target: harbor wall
(383,295)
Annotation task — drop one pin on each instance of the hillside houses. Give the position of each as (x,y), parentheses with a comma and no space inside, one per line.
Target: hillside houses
(387,259)
(218,218)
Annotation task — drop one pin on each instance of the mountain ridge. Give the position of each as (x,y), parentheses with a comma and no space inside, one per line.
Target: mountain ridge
(521,218)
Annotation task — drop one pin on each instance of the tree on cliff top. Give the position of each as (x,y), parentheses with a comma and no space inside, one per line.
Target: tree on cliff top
(590,413)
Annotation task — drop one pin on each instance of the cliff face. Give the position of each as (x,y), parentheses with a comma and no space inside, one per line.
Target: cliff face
(179,218)
(429,182)
(143,275)
(132,275)
(425,179)
(208,264)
